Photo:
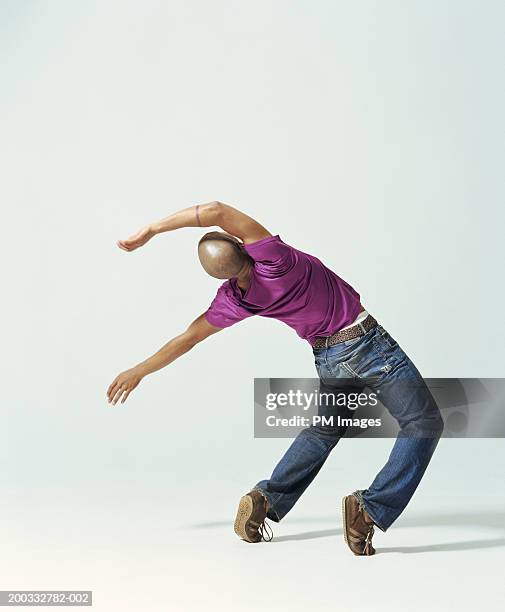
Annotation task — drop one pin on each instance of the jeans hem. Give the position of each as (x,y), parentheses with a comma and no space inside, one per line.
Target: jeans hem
(364,506)
(271,514)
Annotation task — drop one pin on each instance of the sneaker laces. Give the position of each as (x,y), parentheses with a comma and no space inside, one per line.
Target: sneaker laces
(263,529)
(368,540)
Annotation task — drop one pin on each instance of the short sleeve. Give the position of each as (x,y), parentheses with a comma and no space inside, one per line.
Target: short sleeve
(225,309)
(272,253)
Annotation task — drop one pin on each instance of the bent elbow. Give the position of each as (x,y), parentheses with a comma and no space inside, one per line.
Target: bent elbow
(215,211)
(187,344)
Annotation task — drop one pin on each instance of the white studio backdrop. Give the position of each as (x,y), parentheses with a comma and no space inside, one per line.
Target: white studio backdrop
(369,134)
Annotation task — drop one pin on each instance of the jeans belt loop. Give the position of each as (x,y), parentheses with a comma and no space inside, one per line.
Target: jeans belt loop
(362,327)
(326,342)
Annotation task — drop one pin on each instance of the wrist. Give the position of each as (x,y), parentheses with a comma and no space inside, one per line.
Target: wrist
(154,228)
(142,370)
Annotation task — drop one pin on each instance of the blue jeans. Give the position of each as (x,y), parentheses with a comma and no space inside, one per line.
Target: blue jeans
(376,361)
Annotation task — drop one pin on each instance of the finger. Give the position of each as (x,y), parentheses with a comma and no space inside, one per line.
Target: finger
(112,384)
(124,244)
(117,394)
(118,398)
(126,395)
(131,239)
(110,394)
(114,392)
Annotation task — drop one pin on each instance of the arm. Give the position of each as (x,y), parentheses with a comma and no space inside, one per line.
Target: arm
(226,217)
(124,383)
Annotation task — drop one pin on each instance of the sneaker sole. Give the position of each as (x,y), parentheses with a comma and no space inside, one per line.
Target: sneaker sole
(245,509)
(344,521)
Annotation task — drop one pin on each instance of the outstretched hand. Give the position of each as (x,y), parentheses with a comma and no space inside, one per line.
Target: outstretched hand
(123,385)
(137,240)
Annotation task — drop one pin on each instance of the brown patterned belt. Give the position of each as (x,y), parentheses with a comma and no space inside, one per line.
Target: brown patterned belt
(345,334)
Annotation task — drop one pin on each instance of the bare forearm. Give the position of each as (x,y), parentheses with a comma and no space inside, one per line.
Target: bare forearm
(228,218)
(128,380)
(168,353)
(201,215)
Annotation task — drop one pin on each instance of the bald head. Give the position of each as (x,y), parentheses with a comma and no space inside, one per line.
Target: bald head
(222,255)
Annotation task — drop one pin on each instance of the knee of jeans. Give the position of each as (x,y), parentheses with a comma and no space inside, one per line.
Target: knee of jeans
(429,425)
(438,425)
(327,432)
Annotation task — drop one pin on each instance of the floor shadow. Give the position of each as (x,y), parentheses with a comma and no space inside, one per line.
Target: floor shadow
(210,524)
(303,519)
(449,546)
(490,520)
(308,535)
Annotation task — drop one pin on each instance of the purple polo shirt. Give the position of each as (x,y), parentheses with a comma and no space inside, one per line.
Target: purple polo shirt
(288,285)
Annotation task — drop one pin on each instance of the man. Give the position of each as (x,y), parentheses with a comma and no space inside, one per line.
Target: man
(266,277)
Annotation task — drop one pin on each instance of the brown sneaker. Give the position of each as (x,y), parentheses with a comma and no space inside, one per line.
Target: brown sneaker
(250,524)
(358,527)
